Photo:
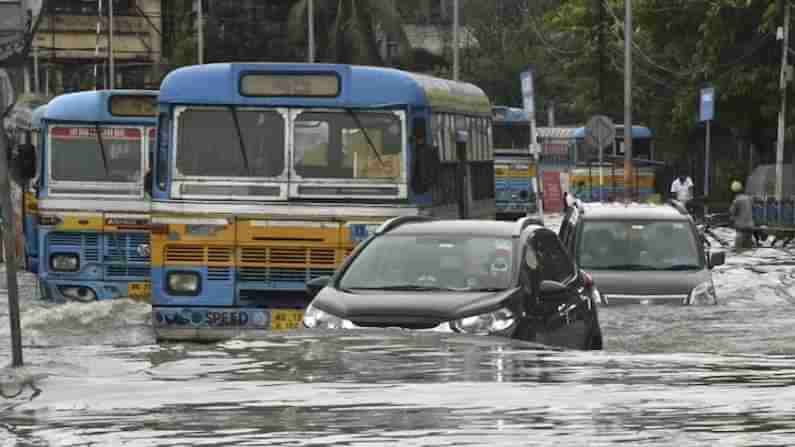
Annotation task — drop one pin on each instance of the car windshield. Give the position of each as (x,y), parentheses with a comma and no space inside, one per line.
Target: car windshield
(638,245)
(432,262)
(209,144)
(77,154)
(353,145)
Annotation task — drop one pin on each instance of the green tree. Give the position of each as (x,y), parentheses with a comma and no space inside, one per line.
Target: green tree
(351,31)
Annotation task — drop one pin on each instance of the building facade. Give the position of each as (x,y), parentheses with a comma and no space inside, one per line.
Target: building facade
(71,50)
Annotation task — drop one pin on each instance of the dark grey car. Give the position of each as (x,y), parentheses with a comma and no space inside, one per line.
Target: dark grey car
(641,253)
(510,279)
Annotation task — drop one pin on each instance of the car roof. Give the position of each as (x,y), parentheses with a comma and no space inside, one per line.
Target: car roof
(460,227)
(640,211)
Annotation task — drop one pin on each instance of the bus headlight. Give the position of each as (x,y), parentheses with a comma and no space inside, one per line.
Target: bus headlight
(315,318)
(64,262)
(484,324)
(183,283)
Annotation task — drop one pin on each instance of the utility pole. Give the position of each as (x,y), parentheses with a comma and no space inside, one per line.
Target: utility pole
(782,115)
(112,81)
(455,40)
(601,6)
(200,30)
(627,98)
(35,69)
(10,28)
(311,25)
(10,242)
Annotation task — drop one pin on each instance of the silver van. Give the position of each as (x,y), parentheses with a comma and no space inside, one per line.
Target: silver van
(641,253)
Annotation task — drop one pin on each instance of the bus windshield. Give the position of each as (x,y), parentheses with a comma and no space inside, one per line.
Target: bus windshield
(77,155)
(209,144)
(514,135)
(353,145)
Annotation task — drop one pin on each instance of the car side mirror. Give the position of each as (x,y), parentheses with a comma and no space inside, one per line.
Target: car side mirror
(24,162)
(717,258)
(427,164)
(549,287)
(314,286)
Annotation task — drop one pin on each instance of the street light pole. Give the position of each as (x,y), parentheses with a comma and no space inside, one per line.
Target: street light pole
(200,30)
(782,115)
(455,40)
(627,99)
(112,81)
(311,25)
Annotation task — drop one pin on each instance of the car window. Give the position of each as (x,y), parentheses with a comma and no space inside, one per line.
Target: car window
(638,245)
(555,263)
(459,262)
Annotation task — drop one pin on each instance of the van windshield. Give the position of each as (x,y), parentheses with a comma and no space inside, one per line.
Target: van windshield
(638,245)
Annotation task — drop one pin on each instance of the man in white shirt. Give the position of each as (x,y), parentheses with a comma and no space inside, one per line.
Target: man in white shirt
(682,189)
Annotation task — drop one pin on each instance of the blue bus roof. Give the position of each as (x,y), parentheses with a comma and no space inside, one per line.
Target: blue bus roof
(361,87)
(509,114)
(37,116)
(637,131)
(93,107)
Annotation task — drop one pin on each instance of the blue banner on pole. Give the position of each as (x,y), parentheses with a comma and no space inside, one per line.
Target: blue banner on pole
(707,104)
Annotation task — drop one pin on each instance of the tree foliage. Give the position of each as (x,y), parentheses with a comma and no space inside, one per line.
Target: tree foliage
(351,31)
(679,46)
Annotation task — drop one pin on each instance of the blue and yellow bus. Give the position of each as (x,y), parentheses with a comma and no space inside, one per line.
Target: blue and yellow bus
(93,213)
(514,167)
(267,175)
(590,181)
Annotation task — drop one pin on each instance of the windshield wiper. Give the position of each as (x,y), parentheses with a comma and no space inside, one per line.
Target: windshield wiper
(628,267)
(102,149)
(683,267)
(404,287)
(366,135)
(243,150)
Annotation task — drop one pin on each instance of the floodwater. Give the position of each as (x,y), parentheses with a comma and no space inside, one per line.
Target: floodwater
(708,375)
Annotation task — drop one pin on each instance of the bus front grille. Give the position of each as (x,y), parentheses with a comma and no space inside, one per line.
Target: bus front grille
(287,255)
(280,274)
(198,254)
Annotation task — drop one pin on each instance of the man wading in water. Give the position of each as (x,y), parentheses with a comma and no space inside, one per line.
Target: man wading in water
(741,211)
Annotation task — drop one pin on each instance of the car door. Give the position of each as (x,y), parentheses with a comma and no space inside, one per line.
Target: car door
(567,317)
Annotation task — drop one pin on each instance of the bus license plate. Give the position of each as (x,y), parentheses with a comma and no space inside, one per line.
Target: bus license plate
(283,319)
(139,289)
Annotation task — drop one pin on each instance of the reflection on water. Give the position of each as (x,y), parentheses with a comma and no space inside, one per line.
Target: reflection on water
(396,388)
(707,375)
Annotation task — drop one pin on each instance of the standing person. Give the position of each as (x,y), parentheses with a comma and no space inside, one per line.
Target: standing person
(682,190)
(741,212)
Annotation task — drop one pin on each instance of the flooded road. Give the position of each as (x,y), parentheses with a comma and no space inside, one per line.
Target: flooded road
(708,375)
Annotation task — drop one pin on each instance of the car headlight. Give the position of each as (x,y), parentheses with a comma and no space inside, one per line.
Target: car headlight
(183,283)
(703,293)
(315,318)
(65,262)
(487,323)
